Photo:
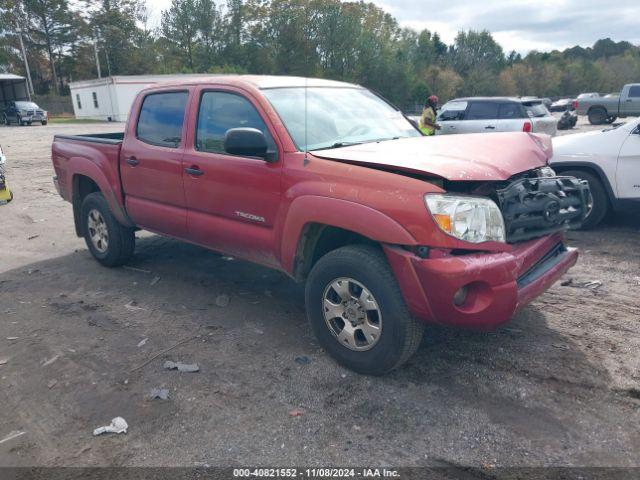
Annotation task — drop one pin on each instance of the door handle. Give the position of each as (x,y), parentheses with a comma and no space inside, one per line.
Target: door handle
(133,161)
(489,127)
(629,100)
(194,170)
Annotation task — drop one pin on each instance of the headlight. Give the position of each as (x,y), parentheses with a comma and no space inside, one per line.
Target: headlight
(472,219)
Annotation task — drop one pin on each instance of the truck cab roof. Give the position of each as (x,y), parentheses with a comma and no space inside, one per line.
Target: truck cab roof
(261,82)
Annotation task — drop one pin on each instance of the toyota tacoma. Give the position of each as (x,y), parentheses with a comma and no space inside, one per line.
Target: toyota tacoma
(331,184)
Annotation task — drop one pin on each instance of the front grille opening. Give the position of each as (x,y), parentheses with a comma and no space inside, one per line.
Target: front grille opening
(534,207)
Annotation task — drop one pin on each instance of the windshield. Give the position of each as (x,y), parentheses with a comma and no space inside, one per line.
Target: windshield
(25,105)
(536,109)
(337,117)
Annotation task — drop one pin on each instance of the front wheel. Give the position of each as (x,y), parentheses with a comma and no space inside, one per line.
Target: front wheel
(7,122)
(109,242)
(357,312)
(598,199)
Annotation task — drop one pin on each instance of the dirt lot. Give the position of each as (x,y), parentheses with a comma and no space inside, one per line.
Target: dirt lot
(559,385)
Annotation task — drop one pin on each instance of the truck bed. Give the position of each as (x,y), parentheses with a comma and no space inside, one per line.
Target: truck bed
(109,138)
(95,157)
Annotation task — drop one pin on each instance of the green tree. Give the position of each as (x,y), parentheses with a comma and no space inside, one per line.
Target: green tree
(180,27)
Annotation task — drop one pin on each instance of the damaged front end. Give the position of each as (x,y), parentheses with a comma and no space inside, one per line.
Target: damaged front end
(534,203)
(533,207)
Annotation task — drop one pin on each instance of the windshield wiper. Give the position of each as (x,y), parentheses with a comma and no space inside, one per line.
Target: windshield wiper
(349,144)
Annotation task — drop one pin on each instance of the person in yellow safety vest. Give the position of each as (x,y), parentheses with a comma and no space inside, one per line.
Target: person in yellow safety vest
(428,124)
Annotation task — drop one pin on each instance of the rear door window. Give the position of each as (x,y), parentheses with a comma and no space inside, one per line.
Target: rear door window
(161,119)
(482,111)
(634,91)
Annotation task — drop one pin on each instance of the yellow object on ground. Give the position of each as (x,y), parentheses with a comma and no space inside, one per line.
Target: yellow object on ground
(430,115)
(5,195)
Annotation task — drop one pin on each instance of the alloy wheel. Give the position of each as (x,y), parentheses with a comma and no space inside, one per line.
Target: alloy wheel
(98,231)
(352,314)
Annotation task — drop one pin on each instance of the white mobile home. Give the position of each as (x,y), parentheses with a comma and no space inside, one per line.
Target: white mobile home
(110,98)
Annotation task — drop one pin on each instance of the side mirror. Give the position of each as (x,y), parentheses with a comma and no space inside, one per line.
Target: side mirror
(246,142)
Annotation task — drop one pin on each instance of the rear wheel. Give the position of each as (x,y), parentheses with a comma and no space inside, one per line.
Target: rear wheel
(356,311)
(597,116)
(109,242)
(599,201)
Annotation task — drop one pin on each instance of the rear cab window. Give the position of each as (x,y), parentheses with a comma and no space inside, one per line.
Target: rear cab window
(161,118)
(218,113)
(452,111)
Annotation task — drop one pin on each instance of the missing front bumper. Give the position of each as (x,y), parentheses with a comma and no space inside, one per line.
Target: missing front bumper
(534,207)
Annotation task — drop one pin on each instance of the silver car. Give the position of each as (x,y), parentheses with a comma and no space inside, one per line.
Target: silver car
(495,114)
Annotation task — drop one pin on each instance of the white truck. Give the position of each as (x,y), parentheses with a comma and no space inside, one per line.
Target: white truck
(610,161)
(606,109)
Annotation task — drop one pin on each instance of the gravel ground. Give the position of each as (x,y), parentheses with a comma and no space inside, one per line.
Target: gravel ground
(81,344)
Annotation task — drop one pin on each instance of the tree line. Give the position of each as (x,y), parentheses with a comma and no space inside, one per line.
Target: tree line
(353,41)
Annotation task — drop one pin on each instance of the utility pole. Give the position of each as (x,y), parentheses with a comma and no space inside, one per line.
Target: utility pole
(95,49)
(26,65)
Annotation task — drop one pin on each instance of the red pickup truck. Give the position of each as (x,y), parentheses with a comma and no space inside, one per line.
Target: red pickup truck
(331,184)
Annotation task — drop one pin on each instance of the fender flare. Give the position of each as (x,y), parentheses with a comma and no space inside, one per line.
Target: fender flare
(355,217)
(80,166)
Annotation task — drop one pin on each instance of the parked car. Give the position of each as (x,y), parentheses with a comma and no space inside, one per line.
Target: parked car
(5,194)
(584,96)
(495,114)
(562,105)
(602,110)
(610,161)
(389,229)
(24,113)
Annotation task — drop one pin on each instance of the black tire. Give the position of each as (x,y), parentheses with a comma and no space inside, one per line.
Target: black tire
(44,122)
(597,116)
(401,333)
(121,240)
(7,122)
(599,196)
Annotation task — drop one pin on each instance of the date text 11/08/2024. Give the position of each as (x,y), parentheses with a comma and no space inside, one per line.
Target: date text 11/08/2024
(315,473)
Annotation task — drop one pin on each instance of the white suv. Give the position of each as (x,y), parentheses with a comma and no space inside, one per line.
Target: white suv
(609,160)
(496,114)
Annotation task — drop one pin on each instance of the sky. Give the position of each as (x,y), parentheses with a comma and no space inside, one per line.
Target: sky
(520,25)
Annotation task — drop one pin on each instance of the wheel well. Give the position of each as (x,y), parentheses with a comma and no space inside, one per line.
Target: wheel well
(593,171)
(82,186)
(317,240)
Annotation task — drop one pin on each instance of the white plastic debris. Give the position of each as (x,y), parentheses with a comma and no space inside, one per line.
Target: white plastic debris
(118,425)
(142,342)
(181,367)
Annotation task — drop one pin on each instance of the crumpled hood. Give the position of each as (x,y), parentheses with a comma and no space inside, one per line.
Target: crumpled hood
(491,156)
